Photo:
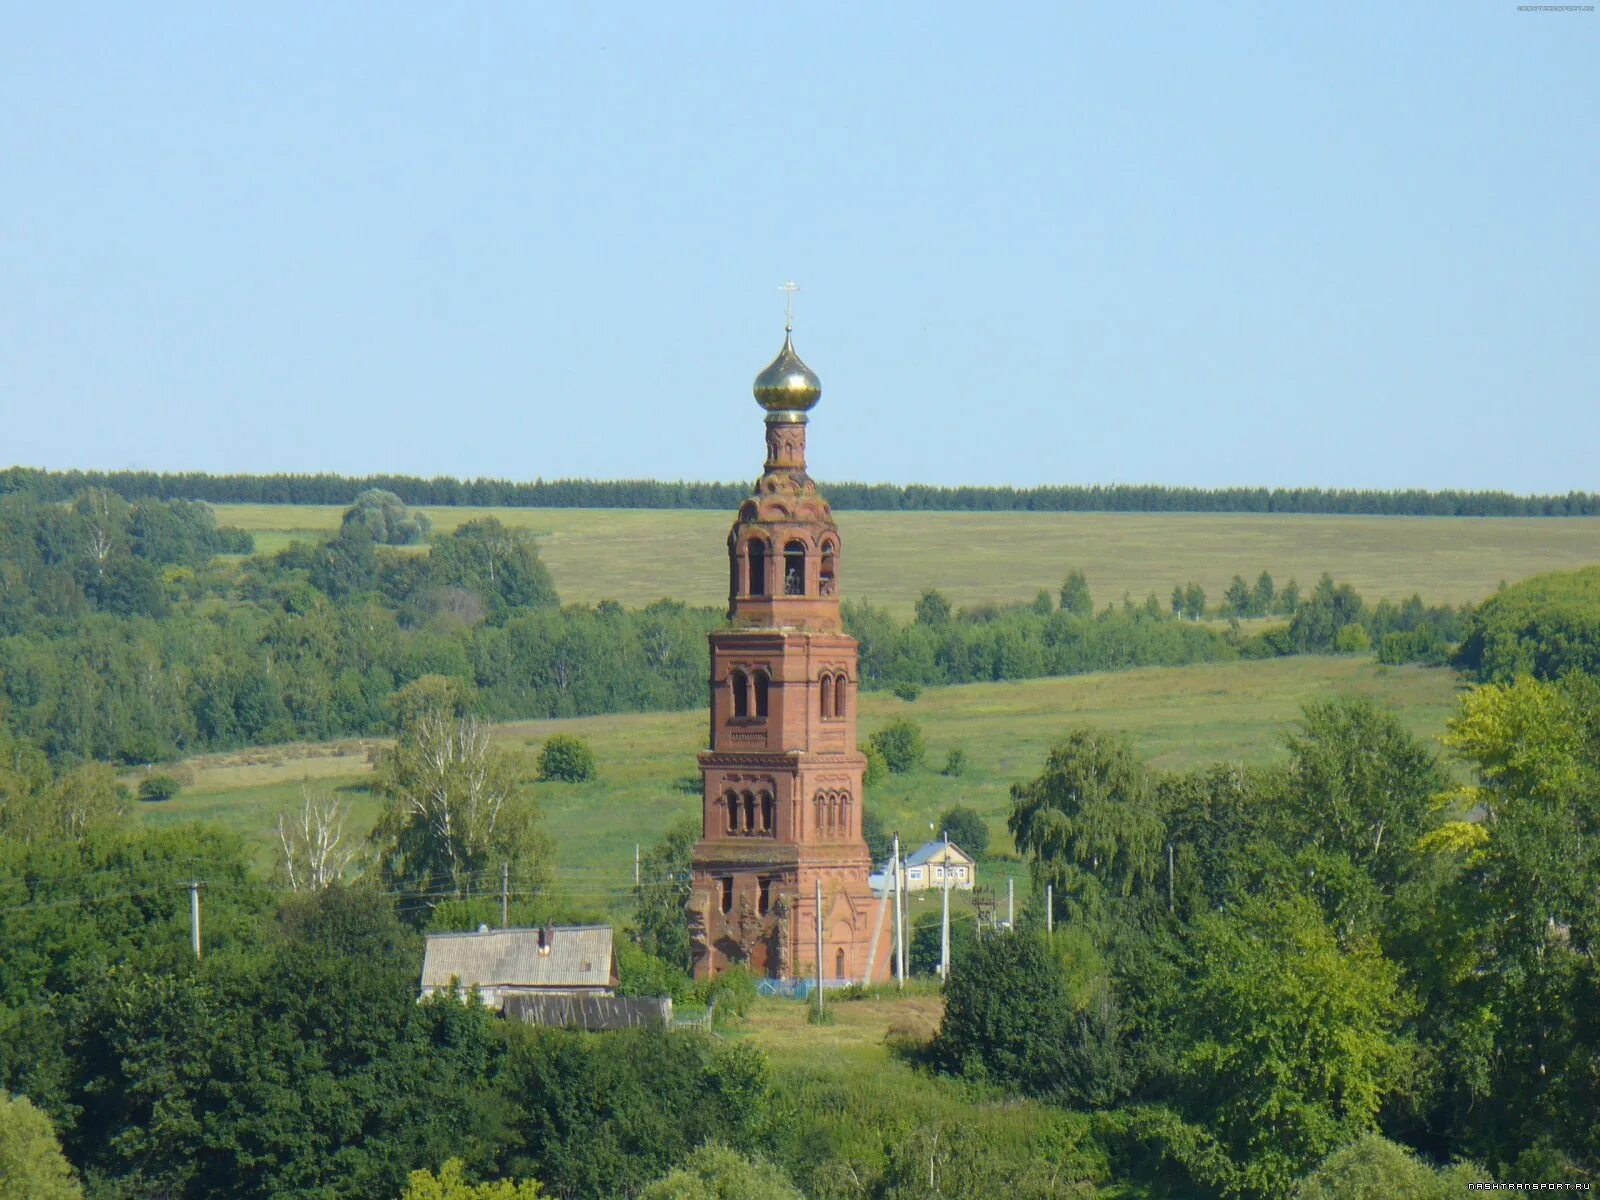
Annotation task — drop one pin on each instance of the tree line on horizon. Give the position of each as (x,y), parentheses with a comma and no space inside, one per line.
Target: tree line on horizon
(446,491)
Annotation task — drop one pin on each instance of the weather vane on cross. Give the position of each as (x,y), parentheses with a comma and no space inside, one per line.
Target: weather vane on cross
(789,288)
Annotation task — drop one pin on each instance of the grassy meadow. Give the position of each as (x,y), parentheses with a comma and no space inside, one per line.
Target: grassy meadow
(1178,716)
(638,555)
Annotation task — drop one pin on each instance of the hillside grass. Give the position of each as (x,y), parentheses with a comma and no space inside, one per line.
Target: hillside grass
(638,555)
(1178,717)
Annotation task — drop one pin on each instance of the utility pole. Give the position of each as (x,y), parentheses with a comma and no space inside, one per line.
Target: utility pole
(1049,908)
(505,895)
(944,925)
(899,919)
(1011,903)
(819,943)
(194,886)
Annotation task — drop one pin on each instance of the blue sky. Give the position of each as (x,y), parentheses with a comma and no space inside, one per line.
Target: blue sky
(1276,244)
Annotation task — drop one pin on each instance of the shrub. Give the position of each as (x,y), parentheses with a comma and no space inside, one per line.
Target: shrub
(641,973)
(1352,639)
(877,769)
(900,743)
(955,763)
(733,992)
(908,690)
(818,1013)
(566,758)
(159,787)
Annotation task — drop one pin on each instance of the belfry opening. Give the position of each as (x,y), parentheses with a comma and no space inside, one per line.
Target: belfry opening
(782,777)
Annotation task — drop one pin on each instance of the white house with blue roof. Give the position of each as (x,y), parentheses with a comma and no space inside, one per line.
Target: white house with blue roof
(937,864)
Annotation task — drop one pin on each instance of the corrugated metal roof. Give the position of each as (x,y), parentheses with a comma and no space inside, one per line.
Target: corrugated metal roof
(928,849)
(577,956)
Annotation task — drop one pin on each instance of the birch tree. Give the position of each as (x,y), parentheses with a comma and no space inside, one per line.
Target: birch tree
(458,808)
(316,850)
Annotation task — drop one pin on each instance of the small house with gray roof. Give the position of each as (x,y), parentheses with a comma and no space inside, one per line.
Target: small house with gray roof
(553,960)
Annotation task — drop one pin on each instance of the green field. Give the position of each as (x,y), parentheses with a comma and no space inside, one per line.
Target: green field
(1179,717)
(639,555)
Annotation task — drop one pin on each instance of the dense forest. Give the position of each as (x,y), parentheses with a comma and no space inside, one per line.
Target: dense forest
(123,637)
(652,493)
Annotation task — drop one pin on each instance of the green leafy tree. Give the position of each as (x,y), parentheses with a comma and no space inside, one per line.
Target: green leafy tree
(1075,598)
(1006,1013)
(1361,785)
(922,948)
(1513,1012)
(1288,601)
(932,609)
(1262,595)
(500,564)
(456,807)
(879,840)
(966,829)
(1236,599)
(715,1172)
(566,758)
(901,745)
(32,1166)
(1294,1044)
(383,517)
(1090,823)
(451,1184)
(1194,602)
(660,920)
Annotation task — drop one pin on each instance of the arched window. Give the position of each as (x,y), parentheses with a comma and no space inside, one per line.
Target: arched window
(756,549)
(749,813)
(839,682)
(740,688)
(825,694)
(830,569)
(833,812)
(844,813)
(794,569)
(726,884)
(762,686)
(730,801)
(838,963)
(768,811)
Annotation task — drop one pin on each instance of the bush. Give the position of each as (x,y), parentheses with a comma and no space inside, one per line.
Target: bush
(733,992)
(818,1013)
(908,690)
(900,743)
(641,973)
(566,758)
(159,787)
(1352,639)
(877,769)
(955,763)
(1374,1168)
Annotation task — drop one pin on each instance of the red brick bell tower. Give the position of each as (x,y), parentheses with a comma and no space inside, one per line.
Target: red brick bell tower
(782,788)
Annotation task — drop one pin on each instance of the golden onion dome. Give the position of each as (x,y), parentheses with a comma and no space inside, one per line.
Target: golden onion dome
(787,388)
